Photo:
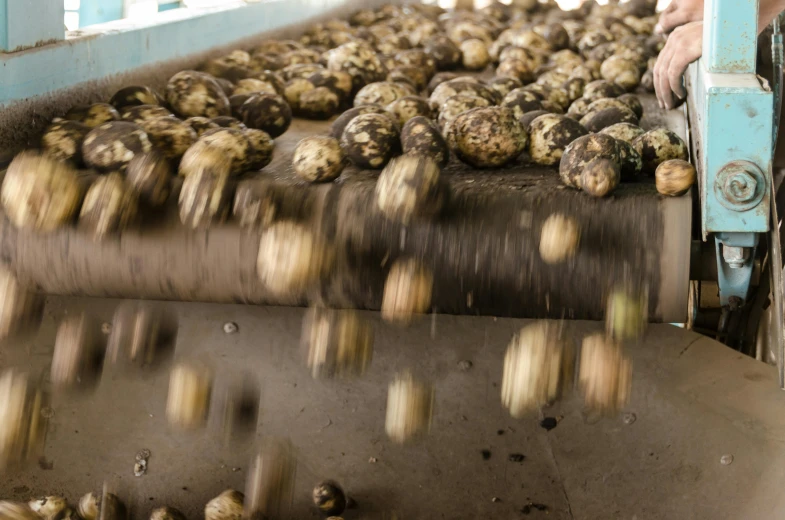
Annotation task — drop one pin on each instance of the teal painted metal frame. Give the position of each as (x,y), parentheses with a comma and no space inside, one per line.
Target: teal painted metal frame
(92,12)
(27,23)
(117,47)
(732,123)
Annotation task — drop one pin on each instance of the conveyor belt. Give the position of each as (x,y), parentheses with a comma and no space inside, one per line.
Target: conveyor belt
(483,250)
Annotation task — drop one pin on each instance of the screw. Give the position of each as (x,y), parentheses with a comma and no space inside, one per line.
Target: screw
(726,460)
(740,185)
(465,365)
(230,327)
(629,418)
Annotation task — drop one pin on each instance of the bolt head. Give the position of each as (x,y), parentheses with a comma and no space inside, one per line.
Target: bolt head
(741,186)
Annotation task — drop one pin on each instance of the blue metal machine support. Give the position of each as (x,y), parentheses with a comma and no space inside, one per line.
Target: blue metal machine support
(735,254)
(30,23)
(731,119)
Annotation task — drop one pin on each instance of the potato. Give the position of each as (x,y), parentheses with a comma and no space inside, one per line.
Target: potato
(418,78)
(77,352)
(621,71)
(407,291)
(62,140)
(445,54)
(633,102)
(409,408)
(338,343)
(503,85)
(674,177)
(521,101)
(460,86)
(626,132)
(370,140)
(410,187)
(630,162)
(39,193)
(600,176)
(517,69)
(319,104)
(583,150)
(657,146)
(192,93)
(601,89)
(267,112)
(318,159)
(93,115)
(408,107)
(135,95)
(549,135)
(605,375)
(109,207)
(487,137)
(188,400)
(338,126)
(475,54)
(596,121)
(457,105)
(559,239)
(170,136)
(111,146)
(359,60)
(538,368)
(380,93)
(233,144)
(420,136)
(626,312)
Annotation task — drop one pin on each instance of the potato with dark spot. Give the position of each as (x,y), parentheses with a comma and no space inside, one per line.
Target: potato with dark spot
(300,71)
(260,148)
(584,149)
(420,136)
(410,187)
(200,125)
(62,140)
(169,135)
(149,175)
(528,117)
(647,81)
(600,176)
(111,146)
(444,53)
(520,101)
(233,144)
(318,158)
(585,73)
(226,85)
(370,140)
(438,79)
(40,193)
(633,103)
(294,90)
(206,194)
(135,95)
(603,103)
(93,115)
(336,129)
(657,146)
(417,58)
(408,107)
(626,132)
(252,86)
(574,88)
(457,105)
(578,109)
(630,162)
(549,135)
(109,206)
(552,78)
(137,114)
(192,93)
(359,60)
(417,77)
(268,112)
(461,86)
(503,85)
(487,137)
(228,122)
(674,177)
(381,93)
(518,69)
(337,81)
(601,89)
(621,71)
(596,121)
(319,104)
(594,38)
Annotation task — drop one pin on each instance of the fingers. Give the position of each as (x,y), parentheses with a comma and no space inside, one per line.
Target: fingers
(670,18)
(661,83)
(682,48)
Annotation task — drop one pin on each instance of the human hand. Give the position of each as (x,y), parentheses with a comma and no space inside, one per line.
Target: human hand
(684,45)
(678,13)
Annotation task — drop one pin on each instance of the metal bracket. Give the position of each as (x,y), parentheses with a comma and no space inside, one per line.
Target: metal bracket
(735,254)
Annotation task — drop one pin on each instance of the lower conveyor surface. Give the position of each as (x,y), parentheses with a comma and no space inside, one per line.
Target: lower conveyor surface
(694,401)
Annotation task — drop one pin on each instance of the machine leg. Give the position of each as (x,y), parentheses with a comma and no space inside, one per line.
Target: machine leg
(735,254)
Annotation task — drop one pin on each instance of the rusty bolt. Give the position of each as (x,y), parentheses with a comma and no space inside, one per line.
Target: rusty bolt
(740,186)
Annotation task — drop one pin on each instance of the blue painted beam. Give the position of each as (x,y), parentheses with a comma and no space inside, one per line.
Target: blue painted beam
(124,45)
(730,35)
(93,12)
(168,6)
(26,23)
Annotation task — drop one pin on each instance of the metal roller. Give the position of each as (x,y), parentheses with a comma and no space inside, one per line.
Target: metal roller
(483,250)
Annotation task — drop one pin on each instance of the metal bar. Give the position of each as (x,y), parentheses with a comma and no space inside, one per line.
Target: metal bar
(734,270)
(730,34)
(30,23)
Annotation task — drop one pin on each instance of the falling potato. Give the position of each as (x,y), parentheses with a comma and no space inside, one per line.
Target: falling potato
(17,511)
(538,368)
(20,308)
(269,484)
(407,291)
(22,427)
(139,332)
(559,238)
(626,314)
(49,508)
(88,506)
(189,395)
(605,375)
(329,497)
(77,354)
(339,343)
(409,408)
(226,506)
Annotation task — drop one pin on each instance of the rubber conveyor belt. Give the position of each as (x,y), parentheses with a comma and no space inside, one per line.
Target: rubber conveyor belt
(483,250)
